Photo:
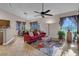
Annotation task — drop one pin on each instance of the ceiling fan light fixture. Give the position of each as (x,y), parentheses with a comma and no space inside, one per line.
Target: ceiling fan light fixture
(44,13)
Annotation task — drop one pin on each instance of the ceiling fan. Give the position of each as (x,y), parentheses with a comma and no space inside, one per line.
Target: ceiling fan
(44,13)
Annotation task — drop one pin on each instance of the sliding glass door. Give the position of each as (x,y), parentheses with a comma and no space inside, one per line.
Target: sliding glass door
(69,23)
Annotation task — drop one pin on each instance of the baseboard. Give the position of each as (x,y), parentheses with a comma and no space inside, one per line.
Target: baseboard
(9,41)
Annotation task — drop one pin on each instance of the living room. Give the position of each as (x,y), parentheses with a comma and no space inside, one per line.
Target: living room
(26,18)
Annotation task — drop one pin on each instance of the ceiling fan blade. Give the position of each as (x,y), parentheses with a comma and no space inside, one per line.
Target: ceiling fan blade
(48,14)
(47,11)
(36,12)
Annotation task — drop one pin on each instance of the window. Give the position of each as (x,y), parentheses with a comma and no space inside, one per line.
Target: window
(34,26)
(69,23)
(20,27)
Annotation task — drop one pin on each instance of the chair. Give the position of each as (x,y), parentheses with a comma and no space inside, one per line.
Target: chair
(29,39)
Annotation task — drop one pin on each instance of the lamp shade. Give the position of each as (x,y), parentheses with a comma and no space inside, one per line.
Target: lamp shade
(50,20)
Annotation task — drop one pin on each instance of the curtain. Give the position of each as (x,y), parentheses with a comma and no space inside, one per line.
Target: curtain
(68,22)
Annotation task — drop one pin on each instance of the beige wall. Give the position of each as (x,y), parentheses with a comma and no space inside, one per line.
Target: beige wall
(68,14)
(54,27)
(11,31)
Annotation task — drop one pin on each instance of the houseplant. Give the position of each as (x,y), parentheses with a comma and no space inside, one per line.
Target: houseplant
(61,35)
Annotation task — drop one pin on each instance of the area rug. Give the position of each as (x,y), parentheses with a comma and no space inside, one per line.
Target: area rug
(47,46)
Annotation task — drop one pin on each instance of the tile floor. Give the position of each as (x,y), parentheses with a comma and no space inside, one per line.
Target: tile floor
(18,48)
(72,51)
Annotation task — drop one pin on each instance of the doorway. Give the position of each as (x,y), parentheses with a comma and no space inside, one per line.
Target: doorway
(4,24)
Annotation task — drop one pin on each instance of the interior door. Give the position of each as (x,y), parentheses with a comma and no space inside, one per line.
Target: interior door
(1,38)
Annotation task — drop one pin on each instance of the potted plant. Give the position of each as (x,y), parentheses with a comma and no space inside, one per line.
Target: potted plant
(61,35)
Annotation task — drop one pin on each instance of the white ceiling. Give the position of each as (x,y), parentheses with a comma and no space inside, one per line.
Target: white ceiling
(18,9)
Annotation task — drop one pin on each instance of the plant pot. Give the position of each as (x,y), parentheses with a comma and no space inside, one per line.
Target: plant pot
(61,35)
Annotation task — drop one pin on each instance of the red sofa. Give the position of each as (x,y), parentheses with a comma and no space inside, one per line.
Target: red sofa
(29,39)
(42,34)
